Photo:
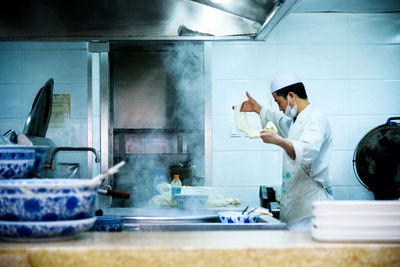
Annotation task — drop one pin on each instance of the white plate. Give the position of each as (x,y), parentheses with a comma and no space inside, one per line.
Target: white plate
(344,222)
(355,213)
(28,230)
(357,218)
(365,206)
(354,236)
(369,229)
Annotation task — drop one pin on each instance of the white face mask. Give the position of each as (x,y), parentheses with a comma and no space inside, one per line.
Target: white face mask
(291,112)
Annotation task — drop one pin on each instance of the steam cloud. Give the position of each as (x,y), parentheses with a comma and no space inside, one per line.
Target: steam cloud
(184,113)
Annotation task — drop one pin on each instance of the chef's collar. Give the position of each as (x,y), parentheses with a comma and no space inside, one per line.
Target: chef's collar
(301,114)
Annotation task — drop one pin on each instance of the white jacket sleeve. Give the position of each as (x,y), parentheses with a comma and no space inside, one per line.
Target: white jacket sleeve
(309,146)
(281,121)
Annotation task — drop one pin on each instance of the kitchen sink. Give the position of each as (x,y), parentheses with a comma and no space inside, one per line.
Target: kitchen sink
(173,219)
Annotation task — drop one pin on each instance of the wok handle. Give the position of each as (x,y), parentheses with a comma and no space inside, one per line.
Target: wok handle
(114,193)
(389,121)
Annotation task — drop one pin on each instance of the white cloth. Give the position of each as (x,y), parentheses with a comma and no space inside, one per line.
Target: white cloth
(305,179)
(283,81)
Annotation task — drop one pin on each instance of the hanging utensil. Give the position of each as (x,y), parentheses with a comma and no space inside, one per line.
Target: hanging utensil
(99,178)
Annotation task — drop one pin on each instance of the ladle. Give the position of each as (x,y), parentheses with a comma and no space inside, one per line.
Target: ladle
(114,169)
(245,209)
(252,210)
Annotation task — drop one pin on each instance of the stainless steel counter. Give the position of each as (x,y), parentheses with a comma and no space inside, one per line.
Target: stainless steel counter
(173,219)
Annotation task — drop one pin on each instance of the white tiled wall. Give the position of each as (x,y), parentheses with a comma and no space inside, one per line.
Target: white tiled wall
(24,68)
(350,64)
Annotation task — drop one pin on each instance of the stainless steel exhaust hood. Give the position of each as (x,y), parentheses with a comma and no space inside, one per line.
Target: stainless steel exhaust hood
(140,19)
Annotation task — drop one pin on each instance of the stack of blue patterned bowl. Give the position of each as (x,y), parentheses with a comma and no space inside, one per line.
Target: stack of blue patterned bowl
(32,209)
(17,161)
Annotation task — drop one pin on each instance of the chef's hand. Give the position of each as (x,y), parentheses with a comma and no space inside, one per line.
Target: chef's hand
(271,137)
(250,105)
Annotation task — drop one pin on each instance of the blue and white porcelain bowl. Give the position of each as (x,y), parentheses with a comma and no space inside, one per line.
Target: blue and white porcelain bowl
(40,158)
(108,224)
(18,161)
(238,217)
(47,199)
(33,230)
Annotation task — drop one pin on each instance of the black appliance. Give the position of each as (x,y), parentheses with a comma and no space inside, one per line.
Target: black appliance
(268,200)
(376,160)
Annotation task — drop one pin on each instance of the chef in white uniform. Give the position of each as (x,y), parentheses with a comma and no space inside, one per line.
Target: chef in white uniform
(305,135)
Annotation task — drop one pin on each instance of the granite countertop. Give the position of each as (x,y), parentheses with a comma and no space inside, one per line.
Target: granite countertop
(197,248)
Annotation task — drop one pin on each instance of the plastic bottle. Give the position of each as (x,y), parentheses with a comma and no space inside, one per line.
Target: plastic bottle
(157,180)
(176,188)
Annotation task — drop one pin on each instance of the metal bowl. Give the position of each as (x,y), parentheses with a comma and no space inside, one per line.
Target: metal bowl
(189,201)
(18,161)
(238,217)
(47,199)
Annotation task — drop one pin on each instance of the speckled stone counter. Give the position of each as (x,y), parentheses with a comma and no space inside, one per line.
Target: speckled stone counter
(199,248)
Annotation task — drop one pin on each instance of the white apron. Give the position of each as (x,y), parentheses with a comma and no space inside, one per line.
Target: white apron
(298,192)
(305,179)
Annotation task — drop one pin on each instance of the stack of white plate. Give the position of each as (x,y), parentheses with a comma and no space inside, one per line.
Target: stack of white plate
(356,221)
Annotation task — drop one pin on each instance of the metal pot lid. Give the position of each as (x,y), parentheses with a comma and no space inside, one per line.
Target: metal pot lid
(376,160)
(38,119)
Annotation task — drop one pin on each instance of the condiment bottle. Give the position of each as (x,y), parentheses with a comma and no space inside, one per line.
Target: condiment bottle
(176,188)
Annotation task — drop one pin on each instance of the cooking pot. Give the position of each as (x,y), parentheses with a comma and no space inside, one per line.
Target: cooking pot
(376,160)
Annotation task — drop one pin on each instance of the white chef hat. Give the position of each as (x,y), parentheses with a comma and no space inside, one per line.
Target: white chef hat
(283,81)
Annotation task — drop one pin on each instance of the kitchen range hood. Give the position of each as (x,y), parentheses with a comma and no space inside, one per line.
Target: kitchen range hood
(141,19)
